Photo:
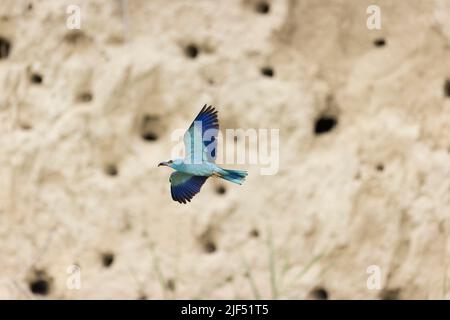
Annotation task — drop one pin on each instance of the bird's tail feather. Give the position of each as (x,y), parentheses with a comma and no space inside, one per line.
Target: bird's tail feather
(236,176)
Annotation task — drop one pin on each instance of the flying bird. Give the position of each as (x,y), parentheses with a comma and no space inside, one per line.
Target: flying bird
(200,142)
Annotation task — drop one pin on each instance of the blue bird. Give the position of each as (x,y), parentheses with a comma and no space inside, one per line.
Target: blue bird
(200,142)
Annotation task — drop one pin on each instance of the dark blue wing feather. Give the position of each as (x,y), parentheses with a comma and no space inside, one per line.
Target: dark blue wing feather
(202,145)
(184,187)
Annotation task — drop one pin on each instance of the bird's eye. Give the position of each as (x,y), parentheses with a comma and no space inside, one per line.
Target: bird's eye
(170,161)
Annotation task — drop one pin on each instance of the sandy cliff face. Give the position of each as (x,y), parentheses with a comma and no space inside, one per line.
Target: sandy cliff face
(364,163)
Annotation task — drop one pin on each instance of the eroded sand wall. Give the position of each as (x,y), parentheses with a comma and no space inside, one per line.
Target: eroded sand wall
(85,117)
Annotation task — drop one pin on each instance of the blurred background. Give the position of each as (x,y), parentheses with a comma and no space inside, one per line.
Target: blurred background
(358,209)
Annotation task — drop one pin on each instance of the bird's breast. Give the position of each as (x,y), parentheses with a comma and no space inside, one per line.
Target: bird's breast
(203,169)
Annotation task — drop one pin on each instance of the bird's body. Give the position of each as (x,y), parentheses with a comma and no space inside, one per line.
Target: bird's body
(204,169)
(198,165)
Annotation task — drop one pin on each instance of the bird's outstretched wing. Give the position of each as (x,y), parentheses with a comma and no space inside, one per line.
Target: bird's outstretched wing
(184,186)
(200,140)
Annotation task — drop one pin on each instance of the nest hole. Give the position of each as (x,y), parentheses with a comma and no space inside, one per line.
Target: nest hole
(209,246)
(447,88)
(5,48)
(36,78)
(390,294)
(319,294)
(149,136)
(85,97)
(107,259)
(170,285)
(324,124)
(262,7)
(207,241)
(74,37)
(111,170)
(40,284)
(147,129)
(191,51)
(25,126)
(221,190)
(380,42)
(254,233)
(40,287)
(267,72)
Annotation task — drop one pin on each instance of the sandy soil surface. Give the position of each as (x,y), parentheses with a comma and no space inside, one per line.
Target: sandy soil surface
(364,164)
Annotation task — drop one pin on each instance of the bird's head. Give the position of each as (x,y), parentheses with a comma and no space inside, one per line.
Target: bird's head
(171,163)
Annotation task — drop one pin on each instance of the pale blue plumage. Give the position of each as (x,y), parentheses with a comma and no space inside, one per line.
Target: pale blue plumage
(200,141)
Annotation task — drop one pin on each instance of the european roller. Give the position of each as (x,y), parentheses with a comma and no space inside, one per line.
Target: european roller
(200,142)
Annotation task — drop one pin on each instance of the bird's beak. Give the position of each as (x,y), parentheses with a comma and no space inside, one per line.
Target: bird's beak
(163,164)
